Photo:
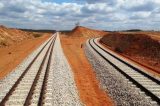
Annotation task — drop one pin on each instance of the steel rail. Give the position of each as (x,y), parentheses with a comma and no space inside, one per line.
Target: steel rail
(40,102)
(129,65)
(29,97)
(4,100)
(149,93)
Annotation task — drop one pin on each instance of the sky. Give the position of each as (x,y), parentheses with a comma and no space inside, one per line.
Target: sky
(97,14)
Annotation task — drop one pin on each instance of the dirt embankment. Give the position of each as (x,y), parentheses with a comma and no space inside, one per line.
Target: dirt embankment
(11,56)
(152,34)
(10,36)
(15,45)
(80,31)
(139,47)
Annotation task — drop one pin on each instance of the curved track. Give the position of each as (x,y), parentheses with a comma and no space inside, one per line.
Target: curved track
(147,83)
(30,86)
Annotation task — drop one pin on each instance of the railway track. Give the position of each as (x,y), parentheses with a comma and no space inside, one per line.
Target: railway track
(148,85)
(30,86)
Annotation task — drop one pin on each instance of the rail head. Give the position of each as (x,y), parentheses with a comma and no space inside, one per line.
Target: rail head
(129,65)
(149,93)
(29,97)
(2,103)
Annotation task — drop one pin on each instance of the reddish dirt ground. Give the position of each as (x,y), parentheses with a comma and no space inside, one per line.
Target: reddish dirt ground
(140,48)
(153,35)
(80,31)
(11,56)
(149,69)
(88,86)
(9,36)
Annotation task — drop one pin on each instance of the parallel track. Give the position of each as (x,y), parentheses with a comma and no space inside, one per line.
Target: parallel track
(31,80)
(42,93)
(148,84)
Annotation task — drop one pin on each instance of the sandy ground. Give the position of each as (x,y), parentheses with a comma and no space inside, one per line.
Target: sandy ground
(11,56)
(85,78)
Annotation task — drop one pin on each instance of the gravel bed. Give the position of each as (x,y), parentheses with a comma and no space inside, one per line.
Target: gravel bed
(7,82)
(25,84)
(37,90)
(64,90)
(114,83)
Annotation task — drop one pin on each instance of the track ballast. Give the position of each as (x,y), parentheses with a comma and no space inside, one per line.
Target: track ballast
(147,83)
(29,88)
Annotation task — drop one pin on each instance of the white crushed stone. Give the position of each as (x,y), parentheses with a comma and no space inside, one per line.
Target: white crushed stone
(7,82)
(114,83)
(64,90)
(61,89)
(24,85)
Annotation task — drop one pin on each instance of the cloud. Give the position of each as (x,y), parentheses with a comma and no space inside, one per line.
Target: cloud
(99,8)
(109,2)
(140,15)
(37,12)
(140,5)
(101,14)
(1,5)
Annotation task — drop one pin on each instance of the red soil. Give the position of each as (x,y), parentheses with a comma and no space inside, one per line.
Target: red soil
(12,55)
(88,87)
(9,36)
(15,45)
(80,31)
(152,34)
(139,47)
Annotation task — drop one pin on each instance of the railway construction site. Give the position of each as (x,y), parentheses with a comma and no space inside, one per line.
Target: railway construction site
(82,67)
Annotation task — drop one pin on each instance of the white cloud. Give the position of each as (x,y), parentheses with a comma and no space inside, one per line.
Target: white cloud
(105,14)
(1,5)
(140,15)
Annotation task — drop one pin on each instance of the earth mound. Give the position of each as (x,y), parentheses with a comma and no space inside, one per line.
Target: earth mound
(139,47)
(9,36)
(80,31)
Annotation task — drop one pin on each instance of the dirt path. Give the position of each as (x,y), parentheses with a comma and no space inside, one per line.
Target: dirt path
(11,56)
(88,86)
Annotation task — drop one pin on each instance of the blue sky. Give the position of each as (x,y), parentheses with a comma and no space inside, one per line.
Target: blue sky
(98,14)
